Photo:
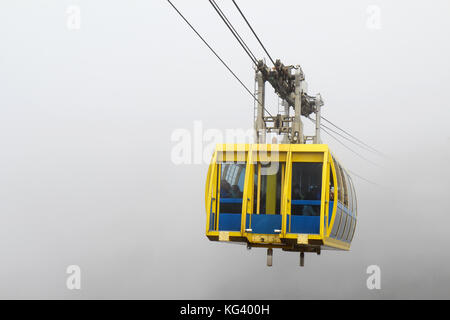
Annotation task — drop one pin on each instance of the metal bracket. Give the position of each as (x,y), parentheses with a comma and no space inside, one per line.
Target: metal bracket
(269,257)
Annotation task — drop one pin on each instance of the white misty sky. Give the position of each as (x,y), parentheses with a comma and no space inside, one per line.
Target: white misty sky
(86,118)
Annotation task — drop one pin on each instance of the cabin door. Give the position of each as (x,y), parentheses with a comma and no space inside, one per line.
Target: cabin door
(231,176)
(265,216)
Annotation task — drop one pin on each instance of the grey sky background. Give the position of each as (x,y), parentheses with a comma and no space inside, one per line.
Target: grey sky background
(86,118)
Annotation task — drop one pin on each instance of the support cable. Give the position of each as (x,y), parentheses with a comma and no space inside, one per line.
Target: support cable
(362,178)
(348,148)
(365,144)
(348,139)
(218,57)
(233,31)
(254,33)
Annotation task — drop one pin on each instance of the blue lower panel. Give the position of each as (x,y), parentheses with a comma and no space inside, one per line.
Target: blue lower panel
(330,212)
(229,222)
(305,224)
(264,223)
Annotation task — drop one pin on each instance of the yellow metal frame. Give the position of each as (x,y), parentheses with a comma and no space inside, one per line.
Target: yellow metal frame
(285,154)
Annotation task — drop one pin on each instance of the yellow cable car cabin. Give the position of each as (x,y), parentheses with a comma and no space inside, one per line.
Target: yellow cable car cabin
(296,197)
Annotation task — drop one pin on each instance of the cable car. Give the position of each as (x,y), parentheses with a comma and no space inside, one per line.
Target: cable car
(296,197)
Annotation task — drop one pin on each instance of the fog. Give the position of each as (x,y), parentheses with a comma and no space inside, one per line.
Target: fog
(86,122)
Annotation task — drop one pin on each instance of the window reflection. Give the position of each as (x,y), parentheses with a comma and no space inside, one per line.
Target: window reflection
(306,188)
(231,187)
(268,199)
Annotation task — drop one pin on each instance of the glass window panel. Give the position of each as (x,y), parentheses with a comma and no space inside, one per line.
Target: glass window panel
(350,233)
(231,187)
(339,182)
(350,194)
(331,185)
(342,225)
(337,221)
(347,228)
(344,186)
(355,201)
(353,229)
(306,188)
(269,196)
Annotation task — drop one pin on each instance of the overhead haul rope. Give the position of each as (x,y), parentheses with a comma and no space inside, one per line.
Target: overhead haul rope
(362,178)
(356,175)
(218,57)
(365,144)
(233,31)
(254,33)
(347,147)
(348,139)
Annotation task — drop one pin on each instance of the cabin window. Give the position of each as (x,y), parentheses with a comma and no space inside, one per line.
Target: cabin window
(339,182)
(267,183)
(350,194)
(344,185)
(331,185)
(355,201)
(232,177)
(306,188)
